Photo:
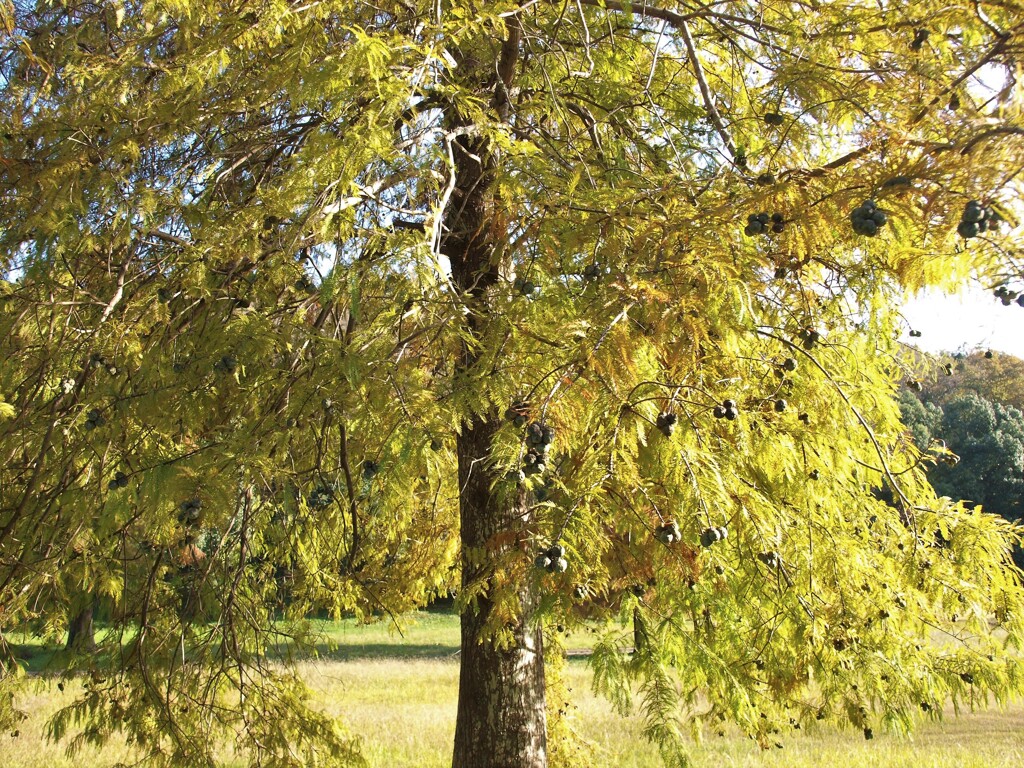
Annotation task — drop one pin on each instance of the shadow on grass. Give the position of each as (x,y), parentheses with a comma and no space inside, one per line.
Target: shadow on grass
(398,652)
(410,652)
(52,660)
(38,659)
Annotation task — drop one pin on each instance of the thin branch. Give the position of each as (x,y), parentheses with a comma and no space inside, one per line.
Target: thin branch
(705,91)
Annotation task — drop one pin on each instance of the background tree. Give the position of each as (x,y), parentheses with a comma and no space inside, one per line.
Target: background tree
(985,443)
(533,300)
(989,439)
(994,376)
(922,418)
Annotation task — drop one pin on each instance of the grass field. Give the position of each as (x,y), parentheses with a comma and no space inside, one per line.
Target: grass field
(399,692)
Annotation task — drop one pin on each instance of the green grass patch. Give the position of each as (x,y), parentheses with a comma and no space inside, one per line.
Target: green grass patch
(419,635)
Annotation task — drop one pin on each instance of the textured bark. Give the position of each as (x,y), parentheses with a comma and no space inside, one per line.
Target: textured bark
(501,720)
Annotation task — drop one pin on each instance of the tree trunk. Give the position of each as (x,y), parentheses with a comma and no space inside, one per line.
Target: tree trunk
(501,721)
(80,628)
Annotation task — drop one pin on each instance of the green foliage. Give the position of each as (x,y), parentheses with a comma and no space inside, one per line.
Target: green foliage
(262,261)
(567,747)
(277,726)
(922,418)
(986,441)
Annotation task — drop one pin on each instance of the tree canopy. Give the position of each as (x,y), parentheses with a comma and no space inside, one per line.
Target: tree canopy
(986,441)
(994,376)
(584,310)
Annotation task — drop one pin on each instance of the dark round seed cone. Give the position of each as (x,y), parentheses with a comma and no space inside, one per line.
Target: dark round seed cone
(967,229)
(974,211)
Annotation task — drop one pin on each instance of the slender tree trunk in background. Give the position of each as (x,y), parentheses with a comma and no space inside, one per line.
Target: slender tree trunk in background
(81,636)
(501,720)
(638,631)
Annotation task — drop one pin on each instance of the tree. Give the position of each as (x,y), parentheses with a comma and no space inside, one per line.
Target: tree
(994,376)
(980,451)
(538,301)
(81,634)
(987,444)
(923,419)
(990,440)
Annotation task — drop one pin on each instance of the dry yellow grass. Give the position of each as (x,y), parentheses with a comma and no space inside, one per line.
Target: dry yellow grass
(405,710)
(400,694)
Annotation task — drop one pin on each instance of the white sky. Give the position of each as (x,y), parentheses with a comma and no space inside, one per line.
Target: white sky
(972,319)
